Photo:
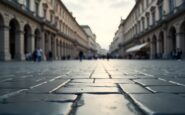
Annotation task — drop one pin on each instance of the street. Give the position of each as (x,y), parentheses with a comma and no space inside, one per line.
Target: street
(114,87)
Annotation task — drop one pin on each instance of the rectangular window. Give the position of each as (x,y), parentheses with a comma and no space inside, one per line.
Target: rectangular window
(27,4)
(153,16)
(37,8)
(143,22)
(148,20)
(171,5)
(160,11)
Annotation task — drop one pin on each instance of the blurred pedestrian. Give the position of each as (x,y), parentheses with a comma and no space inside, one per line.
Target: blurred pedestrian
(81,55)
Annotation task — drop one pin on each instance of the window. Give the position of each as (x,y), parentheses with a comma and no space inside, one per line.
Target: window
(45,13)
(147,3)
(160,11)
(148,19)
(27,4)
(153,16)
(51,17)
(143,23)
(37,8)
(171,5)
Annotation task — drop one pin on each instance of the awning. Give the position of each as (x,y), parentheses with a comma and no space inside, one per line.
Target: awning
(136,48)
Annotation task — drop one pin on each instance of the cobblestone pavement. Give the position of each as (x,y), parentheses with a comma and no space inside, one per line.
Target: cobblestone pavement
(115,87)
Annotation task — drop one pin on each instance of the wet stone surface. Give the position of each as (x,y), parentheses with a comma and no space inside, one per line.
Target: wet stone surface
(110,104)
(115,87)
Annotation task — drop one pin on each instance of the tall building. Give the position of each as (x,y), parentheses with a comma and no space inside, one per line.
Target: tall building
(26,25)
(91,41)
(115,48)
(155,26)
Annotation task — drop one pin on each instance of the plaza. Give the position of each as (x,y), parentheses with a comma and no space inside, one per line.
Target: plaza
(101,87)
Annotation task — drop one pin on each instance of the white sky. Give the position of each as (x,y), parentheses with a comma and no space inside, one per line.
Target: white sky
(103,16)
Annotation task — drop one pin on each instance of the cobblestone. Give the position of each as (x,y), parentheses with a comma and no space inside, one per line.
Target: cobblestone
(112,87)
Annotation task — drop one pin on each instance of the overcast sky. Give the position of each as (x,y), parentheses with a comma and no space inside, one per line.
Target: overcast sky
(103,16)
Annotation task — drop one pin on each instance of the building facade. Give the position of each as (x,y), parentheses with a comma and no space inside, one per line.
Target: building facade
(26,25)
(160,23)
(91,41)
(115,48)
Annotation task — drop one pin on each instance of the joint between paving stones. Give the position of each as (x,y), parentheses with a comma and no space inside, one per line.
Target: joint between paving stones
(136,107)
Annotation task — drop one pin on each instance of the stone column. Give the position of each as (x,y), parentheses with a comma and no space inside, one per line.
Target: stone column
(42,44)
(166,45)
(180,40)
(58,46)
(4,43)
(31,43)
(54,48)
(19,45)
(49,42)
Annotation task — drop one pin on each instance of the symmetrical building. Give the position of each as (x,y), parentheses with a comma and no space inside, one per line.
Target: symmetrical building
(26,25)
(91,41)
(157,26)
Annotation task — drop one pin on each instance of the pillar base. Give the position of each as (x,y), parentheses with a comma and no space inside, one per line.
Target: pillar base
(5,56)
(19,57)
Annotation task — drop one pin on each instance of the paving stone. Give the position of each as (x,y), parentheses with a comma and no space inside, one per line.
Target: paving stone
(126,81)
(6,91)
(104,105)
(49,86)
(103,76)
(160,104)
(167,89)
(17,85)
(177,80)
(82,80)
(24,97)
(133,88)
(35,108)
(182,95)
(152,82)
(95,90)
(91,85)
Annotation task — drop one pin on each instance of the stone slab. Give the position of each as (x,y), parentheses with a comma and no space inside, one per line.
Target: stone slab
(24,97)
(160,104)
(100,76)
(82,80)
(80,90)
(91,85)
(104,105)
(49,86)
(167,89)
(133,88)
(126,81)
(152,82)
(35,108)
(177,80)
(6,91)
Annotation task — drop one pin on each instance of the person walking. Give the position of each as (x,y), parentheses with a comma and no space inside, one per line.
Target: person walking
(81,55)
(39,54)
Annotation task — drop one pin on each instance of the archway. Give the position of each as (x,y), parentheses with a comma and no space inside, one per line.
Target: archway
(27,35)
(154,47)
(2,49)
(172,40)
(161,45)
(182,38)
(1,25)
(13,36)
